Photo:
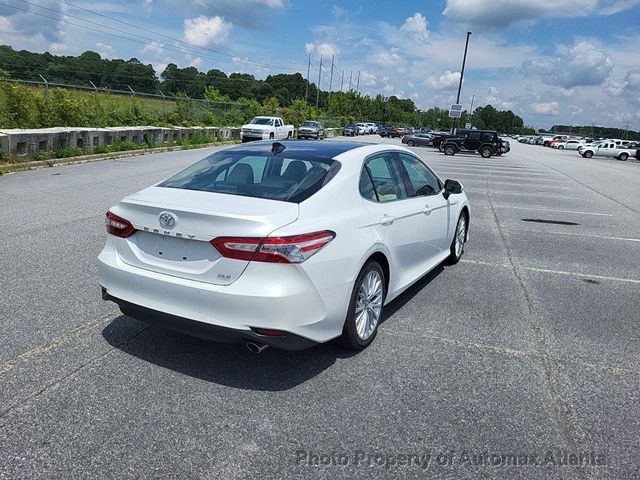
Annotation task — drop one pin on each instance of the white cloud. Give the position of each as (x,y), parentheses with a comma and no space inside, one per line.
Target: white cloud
(448,80)
(105,51)
(547,108)
(417,26)
(206,31)
(629,88)
(583,64)
(196,62)
(367,79)
(507,12)
(153,48)
(387,58)
(252,14)
(325,49)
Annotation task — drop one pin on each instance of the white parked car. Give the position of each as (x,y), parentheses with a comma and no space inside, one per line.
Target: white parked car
(286,244)
(363,128)
(569,145)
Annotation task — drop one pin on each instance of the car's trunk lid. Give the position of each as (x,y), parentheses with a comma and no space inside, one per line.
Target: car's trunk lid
(183,249)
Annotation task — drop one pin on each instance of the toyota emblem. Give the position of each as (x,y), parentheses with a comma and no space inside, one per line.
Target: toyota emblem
(167,220)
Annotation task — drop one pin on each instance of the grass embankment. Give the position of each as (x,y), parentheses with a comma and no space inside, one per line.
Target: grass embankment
(11,163)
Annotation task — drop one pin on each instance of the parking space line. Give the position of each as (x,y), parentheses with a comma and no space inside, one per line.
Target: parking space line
(556,272)
(56,342)
(604,237)
(532,185)
(535,194)
(499,171)
(556,211)
(506,176)
(502,351)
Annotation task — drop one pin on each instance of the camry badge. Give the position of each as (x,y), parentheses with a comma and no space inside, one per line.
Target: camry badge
(167,220)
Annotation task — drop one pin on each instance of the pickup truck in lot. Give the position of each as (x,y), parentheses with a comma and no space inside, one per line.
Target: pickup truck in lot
(606,149)
(311,129)
(266,128)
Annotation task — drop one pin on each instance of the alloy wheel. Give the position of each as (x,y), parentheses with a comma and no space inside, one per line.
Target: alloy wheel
(369,304)
(461,232)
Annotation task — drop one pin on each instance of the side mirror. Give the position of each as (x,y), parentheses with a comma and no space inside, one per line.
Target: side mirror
(452,187)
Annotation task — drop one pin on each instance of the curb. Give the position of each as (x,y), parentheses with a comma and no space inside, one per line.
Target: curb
(16,167)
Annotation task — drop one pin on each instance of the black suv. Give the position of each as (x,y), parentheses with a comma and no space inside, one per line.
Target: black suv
(485,142)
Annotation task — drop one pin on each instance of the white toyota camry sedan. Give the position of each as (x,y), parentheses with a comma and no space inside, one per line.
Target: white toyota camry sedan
(287,244)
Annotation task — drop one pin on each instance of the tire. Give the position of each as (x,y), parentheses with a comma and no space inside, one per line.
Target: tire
(441,147)
(271,136)
(449,150)
(623,156)
(411,143)
(486,152)
(368,296)
(561,147)
(459,239)
(588,154)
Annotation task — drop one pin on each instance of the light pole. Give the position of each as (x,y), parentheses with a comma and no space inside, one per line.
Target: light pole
(464,61)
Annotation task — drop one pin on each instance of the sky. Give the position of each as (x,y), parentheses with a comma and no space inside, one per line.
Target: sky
(549,61)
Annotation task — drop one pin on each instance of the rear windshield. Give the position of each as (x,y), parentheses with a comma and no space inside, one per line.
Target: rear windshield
(260,176)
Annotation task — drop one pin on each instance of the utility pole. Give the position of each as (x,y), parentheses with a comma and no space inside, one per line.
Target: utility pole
(358,82)
(306,92)
(464,61)
(95,97)
(46,86)
(350,77)
(164,115)
(342,81)
(331,77)
(319,79)
(471,110)
(133,94)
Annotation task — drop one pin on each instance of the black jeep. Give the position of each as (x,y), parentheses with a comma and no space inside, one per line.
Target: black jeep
(485,142)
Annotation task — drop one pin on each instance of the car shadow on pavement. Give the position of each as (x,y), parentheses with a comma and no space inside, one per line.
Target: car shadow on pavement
(409,293)
(232,365)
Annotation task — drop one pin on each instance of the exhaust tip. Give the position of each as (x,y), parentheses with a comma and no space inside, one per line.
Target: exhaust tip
(256,347)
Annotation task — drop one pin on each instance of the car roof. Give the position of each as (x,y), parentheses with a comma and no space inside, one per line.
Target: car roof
(299,149)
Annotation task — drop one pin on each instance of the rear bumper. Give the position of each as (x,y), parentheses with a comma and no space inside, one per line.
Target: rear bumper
(205,330)
(272,296)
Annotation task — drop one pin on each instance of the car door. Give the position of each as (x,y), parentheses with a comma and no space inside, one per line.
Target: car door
(398,219)
(472,142)
(424,185)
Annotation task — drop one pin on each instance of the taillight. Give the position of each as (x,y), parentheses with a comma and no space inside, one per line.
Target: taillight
(294,249)
(118,226)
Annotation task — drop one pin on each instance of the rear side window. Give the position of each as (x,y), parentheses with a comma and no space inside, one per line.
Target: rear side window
(474,136)
(386,178)
(268,177)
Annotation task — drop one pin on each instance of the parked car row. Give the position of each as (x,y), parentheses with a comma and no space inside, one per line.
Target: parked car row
(587,147)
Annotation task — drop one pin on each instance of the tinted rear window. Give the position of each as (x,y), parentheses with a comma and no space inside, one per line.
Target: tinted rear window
(259,176)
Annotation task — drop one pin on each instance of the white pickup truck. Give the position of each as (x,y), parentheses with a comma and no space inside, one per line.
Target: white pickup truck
(606,149)
(266,128)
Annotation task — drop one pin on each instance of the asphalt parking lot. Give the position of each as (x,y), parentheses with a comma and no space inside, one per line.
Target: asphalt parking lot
(527,348)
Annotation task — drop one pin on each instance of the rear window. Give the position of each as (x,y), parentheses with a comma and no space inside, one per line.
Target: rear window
(260,176)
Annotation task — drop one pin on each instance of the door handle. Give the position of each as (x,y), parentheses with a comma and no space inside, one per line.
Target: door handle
(386,220)
(427,210)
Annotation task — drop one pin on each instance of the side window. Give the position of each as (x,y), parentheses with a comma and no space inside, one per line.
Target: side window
(366,187)
(423,180)
(487,137)
(474,136)
(386,179)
